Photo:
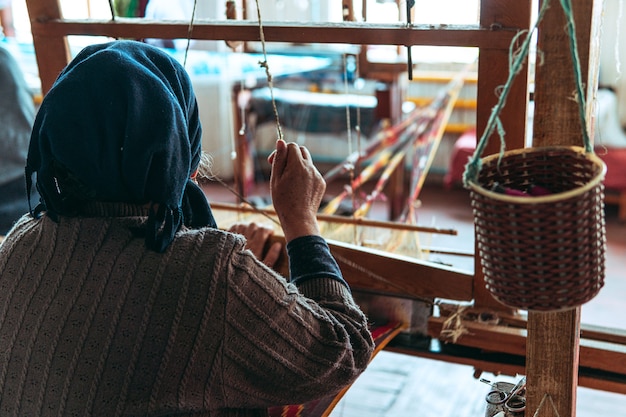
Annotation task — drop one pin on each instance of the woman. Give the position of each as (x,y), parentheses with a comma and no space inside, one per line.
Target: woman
(118,294)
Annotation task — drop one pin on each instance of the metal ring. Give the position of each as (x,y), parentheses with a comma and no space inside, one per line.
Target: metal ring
(501,397)
(515,403)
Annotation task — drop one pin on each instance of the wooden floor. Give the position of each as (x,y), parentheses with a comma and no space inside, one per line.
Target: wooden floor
(397,385)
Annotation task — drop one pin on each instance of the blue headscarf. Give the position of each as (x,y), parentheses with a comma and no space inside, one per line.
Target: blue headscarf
(121,124)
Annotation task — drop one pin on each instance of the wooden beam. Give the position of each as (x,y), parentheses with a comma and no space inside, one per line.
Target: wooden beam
(553,349)
(370,270)
(239,30)
(493,71)
(600,355)
(51,50)
(331,218)
(487,361)
(552,360)
(556,119)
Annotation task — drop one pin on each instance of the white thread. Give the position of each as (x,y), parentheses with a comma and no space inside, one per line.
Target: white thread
(618,26)
(548,396)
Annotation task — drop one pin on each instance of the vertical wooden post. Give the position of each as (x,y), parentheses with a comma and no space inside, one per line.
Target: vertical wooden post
(552,357)
(493,70)
(398,191)
(348,11)
(390,107)
(553,343)
(52,52)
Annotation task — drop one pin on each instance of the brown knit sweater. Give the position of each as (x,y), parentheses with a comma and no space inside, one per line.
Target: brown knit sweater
(94,324)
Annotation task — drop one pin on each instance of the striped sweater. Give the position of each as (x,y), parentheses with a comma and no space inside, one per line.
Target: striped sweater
(94,324)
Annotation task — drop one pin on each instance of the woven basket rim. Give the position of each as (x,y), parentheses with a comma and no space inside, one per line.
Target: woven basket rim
(599,177)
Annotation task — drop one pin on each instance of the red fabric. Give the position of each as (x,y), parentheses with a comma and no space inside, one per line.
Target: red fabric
(463,150)
(615,160)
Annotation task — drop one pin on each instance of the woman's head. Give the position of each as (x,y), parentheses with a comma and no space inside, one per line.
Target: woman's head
(120,124)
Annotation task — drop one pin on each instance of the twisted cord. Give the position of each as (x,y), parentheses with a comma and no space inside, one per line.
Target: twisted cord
(268,74)
(580,94)
(189,30)
(516,61)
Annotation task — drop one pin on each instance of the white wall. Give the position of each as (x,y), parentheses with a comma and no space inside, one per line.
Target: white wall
(613,51)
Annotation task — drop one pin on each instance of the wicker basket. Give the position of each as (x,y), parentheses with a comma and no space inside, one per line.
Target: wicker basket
(543,253)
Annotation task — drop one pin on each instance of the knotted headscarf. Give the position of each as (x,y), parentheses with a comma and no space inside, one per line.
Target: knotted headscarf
(121,124)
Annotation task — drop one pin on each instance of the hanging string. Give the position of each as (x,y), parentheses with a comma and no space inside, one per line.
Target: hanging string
(357,128)
(349,133)
(269,77)
(242,110)
(234,154)
(242,88)
(242,127)
(231,14)
(580,93)
(516,61)
(189,30)
(245,200)
(112,7)
(346,92)
(409,6)
(268,74)
(616,49)
(348,126)
(357,75)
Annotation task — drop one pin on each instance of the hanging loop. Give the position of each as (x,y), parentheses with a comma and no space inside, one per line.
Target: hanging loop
(516,62)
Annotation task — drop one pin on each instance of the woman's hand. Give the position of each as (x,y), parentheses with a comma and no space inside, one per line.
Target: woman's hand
(297,189)
(257,236)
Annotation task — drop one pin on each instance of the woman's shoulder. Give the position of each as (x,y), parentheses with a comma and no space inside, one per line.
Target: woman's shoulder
(211,236)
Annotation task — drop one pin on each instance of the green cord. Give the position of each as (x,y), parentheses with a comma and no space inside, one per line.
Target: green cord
(516,62)
(571,27)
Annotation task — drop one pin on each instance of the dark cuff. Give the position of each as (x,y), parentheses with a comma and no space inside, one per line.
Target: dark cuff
(310,258)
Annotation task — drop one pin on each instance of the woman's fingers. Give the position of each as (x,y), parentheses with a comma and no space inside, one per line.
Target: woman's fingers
(272,255)
(257,236)
(278,158)
(297,189)
(305,153)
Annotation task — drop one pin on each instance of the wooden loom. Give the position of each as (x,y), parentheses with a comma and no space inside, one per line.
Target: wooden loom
(548,348)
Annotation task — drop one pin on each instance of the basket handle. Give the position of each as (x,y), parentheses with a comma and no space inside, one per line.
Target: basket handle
(516,60)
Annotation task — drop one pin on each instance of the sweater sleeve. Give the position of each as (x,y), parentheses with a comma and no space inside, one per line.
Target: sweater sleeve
(287,343)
